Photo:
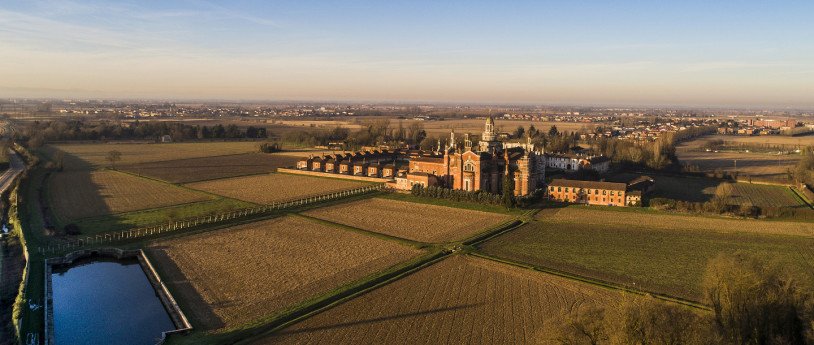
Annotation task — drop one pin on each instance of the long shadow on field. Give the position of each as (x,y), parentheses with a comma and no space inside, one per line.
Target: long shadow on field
(193,303)
(379,319)
(62,208)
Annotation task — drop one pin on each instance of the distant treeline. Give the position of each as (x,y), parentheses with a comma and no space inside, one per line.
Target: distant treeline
(38,133)
(374,132)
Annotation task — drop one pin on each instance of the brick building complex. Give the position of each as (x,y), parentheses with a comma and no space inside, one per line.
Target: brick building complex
(600,193)
(470,167)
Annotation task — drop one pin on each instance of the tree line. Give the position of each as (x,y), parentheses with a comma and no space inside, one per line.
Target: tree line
(371,133)
(40,132)
(751,303)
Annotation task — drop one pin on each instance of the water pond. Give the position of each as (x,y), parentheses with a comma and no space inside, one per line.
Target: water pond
(106,301)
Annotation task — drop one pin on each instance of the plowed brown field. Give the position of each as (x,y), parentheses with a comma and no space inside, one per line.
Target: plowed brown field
(206,168)
(80,194)
(461,300)
(414,221)
(87,156)
(265,189)
(233,276)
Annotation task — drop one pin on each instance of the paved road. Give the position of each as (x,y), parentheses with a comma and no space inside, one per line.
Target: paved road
(15,169)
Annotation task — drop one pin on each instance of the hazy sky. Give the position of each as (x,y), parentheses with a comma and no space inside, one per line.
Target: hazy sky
(750,53)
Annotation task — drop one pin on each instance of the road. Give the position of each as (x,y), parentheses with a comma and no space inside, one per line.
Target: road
(15,169)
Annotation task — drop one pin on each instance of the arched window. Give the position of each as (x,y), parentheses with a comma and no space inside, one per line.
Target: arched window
(470,167)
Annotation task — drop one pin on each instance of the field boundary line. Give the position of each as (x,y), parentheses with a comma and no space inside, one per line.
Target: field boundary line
(650,211)
(287,171)
(799,197)
(184,159)
(337,296)
(465,205)
(223,177)
(147,178)
(494,231)
(400,240)
(592,281)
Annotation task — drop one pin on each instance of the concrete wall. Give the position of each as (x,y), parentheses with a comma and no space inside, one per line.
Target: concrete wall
(342,176)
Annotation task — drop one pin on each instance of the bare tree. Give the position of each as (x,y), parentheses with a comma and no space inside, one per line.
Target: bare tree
(112,157)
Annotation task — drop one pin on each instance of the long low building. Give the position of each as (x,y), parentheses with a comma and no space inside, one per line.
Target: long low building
(600,192)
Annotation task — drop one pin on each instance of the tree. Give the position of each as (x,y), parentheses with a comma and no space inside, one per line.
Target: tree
(518,133)
(752,303)
(723,195)
(59,160)
(553,131)
(755,303)
(112,157)
(508,191)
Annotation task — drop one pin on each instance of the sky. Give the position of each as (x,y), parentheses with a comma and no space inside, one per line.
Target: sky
(691,53)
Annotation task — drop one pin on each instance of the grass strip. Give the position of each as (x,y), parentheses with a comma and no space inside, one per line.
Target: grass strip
(592,281)
(449,203)
(400,240)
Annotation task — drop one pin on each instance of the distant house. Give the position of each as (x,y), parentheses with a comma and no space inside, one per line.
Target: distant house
(166,139)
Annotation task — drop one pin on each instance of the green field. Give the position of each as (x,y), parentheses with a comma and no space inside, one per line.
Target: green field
(669,262)
(703,189)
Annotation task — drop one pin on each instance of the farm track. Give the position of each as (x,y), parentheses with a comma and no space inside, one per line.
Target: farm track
(269,188)
(675,222)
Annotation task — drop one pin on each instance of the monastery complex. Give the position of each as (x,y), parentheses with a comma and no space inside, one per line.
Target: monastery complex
(471,167)
(482,167)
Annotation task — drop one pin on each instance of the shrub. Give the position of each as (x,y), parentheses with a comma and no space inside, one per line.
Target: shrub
(72,229)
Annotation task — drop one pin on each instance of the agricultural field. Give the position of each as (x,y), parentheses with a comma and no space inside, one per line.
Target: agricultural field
(755,165)
(80,194)
(790,142)
(675,222)
(269,188)
(413,221)
(460,300)
(162,215)
(89,156)
(664,261)
(703,189)
(228,277)
(207,168)
(762,165)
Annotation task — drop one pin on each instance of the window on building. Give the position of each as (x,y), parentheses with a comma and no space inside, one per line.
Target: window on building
(559,189)
(611,193)
(566,189)
(603,193)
